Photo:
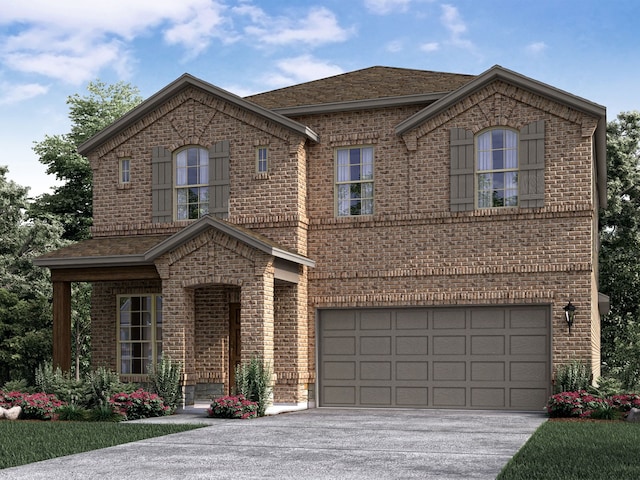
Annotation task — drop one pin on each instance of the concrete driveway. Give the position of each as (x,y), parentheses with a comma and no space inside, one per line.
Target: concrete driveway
(312,444)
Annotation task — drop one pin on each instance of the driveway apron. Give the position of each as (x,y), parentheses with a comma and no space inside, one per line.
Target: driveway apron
(312,444)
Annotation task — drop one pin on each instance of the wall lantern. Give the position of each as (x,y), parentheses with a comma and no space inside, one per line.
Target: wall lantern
(569,314)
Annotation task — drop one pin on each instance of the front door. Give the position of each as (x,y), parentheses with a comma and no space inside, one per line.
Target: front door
(235,347)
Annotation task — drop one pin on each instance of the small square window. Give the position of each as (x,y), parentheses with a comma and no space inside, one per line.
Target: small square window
(125,171)
(261,158)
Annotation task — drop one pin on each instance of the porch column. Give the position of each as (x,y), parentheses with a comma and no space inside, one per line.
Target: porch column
(257,316)
(62,325)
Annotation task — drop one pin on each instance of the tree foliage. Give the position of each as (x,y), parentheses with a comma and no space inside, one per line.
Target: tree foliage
(620,250)
(25,290)
(71,202)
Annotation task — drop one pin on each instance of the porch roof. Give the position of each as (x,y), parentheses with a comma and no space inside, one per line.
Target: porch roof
(139,250)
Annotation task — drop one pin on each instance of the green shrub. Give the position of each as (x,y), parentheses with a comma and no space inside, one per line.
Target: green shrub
(16,386)
(605,411)
(72,413)
(233,407)
(253,380)
(573,377)
(606,387)
(164,380)
(62,385)
(101,384)
(105,413)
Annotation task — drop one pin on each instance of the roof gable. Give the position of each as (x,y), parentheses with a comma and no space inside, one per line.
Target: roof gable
(172,89)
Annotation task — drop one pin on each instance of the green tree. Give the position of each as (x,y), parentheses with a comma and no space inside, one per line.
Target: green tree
(620,250)
(71,202)
(25,290)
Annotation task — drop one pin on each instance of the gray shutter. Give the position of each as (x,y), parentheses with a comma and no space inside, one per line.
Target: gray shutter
(219,179)
(531,166)
(462,170)
(161,185)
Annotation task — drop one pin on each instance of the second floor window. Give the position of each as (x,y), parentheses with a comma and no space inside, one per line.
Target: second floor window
(262,165)
(497,168)
(125,171)
(354,181)
(192,183)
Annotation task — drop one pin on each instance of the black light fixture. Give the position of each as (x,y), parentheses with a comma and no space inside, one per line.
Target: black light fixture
(569,314)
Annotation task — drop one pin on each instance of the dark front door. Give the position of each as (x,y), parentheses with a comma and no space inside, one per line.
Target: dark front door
(235,347)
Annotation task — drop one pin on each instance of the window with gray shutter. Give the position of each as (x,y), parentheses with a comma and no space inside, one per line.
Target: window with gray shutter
(462,170)
(531,171)
(161,185)
(219,179)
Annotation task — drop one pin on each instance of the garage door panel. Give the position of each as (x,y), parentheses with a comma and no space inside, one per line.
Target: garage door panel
(416,371)
(412,319)
(449,345)
(528,344)
(449,371)
(339,370)
(378,396)
(487,345)
(372,320)
(412,396)
(435,357)
(449,318)
(488,318)
(339,346)
(487,371)
(525,398)
(488,397)
(449,397)
(529,372)
(416,345)
(339,395)
(375,345)
(375,370)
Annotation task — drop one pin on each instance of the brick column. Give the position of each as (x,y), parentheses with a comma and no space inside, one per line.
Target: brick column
(257,319)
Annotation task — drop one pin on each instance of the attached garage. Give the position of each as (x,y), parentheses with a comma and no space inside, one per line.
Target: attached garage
(446,357)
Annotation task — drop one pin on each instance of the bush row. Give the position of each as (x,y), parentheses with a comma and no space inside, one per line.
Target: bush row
(583,404)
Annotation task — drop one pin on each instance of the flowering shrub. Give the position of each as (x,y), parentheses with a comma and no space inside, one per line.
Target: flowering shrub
(626,402)
(233,407)
(38,406)
(139,404)
(574,404)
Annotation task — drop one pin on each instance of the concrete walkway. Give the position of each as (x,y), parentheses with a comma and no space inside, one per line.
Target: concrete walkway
(311,444)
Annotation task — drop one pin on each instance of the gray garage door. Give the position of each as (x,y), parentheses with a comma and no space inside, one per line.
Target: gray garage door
(477,357)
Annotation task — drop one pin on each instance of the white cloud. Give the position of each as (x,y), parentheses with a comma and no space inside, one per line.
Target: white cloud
(430,47)
(536,47)
(301,69)
(73,40)
(383,7)
(319,27)
(17,93)
(394,46)
(452,21)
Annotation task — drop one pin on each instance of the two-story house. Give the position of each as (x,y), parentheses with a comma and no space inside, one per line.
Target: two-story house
(385,237)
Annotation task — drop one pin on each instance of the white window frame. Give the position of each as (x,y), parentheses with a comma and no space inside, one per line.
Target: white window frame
(124,171)
(191,188)
(127,333)
(354,178)
(497,166)
(262,159)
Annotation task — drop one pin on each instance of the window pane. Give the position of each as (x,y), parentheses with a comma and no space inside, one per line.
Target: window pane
(498,159)
(497,139)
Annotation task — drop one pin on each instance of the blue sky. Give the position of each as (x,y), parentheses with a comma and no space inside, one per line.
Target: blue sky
(51,50)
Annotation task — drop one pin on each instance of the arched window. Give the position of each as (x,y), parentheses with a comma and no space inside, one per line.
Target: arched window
(192,183)
(497,168)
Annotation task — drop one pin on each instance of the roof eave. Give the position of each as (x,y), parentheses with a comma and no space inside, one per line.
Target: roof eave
(92,261)
(355,105)
(180,83)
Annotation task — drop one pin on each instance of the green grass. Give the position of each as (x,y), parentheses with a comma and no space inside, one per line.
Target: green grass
(31,441)
(578,450)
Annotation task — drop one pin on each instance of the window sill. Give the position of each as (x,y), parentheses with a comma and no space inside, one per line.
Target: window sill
(261,176)
(124,186)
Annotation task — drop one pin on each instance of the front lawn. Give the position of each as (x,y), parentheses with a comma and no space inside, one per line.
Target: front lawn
(584,450)
(31,441)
